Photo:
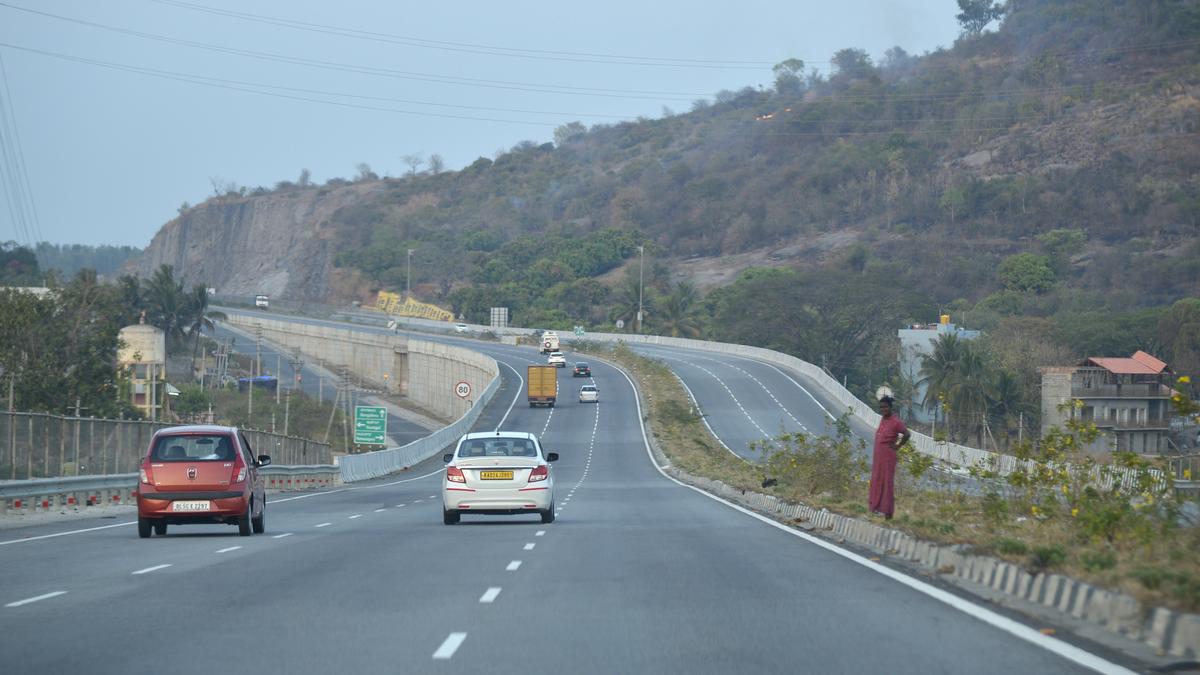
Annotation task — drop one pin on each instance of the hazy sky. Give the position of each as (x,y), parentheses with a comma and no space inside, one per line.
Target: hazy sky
(110,152)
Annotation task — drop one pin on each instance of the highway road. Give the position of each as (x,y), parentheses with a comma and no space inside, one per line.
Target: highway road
(638,574)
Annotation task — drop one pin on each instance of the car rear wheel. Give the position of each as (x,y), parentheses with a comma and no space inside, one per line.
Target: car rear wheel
(450,517)
(243,523)
(143,528)
(548,514)
(260,523)
(160,528)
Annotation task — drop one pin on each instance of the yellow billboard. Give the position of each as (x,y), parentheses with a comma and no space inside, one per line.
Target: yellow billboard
(392,303)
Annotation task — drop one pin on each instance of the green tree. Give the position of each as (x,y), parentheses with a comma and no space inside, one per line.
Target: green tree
(1026,273)
(975,15)
(18,266)
(953,201)
(788,74)
(1060,243)
(167,304)
(939,370)
(678,314)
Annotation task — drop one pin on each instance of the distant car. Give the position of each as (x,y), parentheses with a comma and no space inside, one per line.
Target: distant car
(498,473)
(588,393)
(582,370)
(460,328)
(201,474)
(557,359)
(262,301)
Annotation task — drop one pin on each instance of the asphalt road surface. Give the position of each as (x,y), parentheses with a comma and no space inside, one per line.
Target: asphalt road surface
(638,574)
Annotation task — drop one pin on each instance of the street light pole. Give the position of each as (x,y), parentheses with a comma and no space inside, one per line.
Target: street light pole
(408,279)
(641,279)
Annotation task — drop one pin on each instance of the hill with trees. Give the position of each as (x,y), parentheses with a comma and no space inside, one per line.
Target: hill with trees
(1039,181)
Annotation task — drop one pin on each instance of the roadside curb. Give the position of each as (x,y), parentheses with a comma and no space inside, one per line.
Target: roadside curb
(1166,631)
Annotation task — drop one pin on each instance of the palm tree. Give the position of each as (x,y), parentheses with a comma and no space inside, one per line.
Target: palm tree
(938,370)
(129,288)
(199,318)
(166,303)
(677,317)
(1005,400)
(969,389)
(625,302)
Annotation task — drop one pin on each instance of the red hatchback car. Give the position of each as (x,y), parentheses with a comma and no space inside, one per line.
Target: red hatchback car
(201,474)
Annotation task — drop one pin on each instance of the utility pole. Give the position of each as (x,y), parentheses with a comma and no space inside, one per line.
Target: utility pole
(641,280)
(287,404)
(408,279)
(278,372)
(257,351)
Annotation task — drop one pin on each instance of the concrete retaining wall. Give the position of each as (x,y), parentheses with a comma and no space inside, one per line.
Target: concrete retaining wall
(425,372)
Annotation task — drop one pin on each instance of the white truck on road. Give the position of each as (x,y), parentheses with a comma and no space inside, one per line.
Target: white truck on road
(549,342)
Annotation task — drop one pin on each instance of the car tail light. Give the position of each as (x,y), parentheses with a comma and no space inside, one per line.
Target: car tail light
(539,473)
(455,475)
(241,474)
(145,474)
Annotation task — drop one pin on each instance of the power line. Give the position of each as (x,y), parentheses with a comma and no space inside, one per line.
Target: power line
(241,85)
(10,175)
(473,48)
(371,70)
(20,155)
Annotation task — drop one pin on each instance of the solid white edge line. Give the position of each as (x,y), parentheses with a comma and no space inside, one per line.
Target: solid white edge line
(515,396)
(46,596)
(450,645)
(63,534)
(152,569)
(227,550)
(704,418)
(489,596)
(513,566)
(1016,629)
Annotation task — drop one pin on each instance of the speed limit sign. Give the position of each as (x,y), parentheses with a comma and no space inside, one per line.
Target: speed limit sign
(462,389)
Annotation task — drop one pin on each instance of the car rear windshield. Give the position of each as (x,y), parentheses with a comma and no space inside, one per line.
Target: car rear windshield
(588,387)
(581,365)
(498,447)
(192,448)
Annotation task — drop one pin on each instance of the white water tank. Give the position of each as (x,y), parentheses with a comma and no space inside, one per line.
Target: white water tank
(143,343)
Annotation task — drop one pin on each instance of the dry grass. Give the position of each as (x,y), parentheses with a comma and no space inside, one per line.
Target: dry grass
(1160,570)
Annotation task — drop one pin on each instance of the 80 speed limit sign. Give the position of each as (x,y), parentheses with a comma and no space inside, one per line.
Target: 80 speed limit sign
(462,389)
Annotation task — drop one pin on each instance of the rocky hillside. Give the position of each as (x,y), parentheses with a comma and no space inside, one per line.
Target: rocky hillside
(1069,134)
(280,243)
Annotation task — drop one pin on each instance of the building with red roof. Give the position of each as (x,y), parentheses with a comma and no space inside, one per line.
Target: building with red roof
(1128,399)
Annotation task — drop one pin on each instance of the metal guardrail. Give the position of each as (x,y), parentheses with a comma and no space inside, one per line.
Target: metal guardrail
(119,488)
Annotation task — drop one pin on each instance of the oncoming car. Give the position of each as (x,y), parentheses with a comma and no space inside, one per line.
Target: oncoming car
(460,328)
(588,393)
(557,359)
(201,474)
(498,473)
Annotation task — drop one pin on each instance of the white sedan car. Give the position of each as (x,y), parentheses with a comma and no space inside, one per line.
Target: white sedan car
(498,473)
(460,328)
(588,393)
(557,359)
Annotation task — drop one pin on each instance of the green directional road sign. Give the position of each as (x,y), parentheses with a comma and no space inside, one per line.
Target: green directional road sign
(370,425)
(578,331)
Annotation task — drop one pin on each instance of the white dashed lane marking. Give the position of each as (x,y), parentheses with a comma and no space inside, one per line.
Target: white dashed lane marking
(540,533)
(47,596)
(357,515)
(529,546)
(380,510)
(227,550)
(450,645)
(152,569)
(489,596)
(324,525)
(281,536)
(513,566)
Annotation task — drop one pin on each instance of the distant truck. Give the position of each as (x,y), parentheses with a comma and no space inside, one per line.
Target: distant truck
(262,301)
(549,342)
(541,382)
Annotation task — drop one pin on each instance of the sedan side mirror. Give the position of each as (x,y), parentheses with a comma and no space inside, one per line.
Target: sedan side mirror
(447,457)
(552,457)
(264,460)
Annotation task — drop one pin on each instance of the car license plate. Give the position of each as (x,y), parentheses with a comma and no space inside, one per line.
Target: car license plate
(495,475)
(191,506)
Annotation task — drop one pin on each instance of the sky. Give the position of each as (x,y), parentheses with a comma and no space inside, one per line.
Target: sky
(116,112)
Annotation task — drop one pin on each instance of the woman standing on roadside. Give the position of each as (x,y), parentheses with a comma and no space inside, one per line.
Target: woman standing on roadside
(889,437)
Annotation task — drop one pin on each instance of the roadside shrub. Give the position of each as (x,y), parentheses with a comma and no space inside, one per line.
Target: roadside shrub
(1047,557)
(1098,561)
(812,464)
(995,508)
(1011,546)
